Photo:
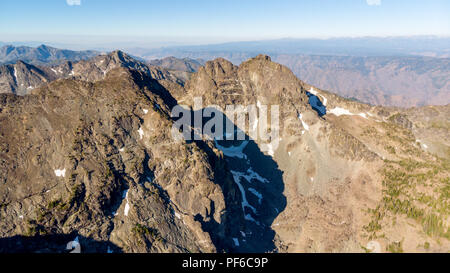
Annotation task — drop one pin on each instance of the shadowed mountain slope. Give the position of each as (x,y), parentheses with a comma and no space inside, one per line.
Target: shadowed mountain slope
(92,155)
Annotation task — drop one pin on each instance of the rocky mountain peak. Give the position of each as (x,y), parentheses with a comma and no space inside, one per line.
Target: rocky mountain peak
(263,57)
(119,55)
(219,67)
(90,153)
(43,46)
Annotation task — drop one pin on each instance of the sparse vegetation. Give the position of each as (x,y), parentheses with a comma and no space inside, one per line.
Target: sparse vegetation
(416,190)
(143,232)
(395,247)
(54,204)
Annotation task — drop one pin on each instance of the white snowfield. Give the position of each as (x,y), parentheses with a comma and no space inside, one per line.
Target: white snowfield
(236,241)
(306,126)
(338,111)
(60,173)
(314,92)
(141,133)
(244,203)
(233,151)
(127,205)
(250,174)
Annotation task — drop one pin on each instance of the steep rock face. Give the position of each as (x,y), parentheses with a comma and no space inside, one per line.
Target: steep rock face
(92,156)
(389,80)
(329,177)
(315,165)
(96,160)
(21,78)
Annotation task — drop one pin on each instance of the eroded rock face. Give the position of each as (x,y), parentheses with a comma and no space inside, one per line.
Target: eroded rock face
(97,159)
(90,155)
(326,174)
(21,78)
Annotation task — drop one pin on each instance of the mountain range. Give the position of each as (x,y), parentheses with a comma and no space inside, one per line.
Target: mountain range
(389,81)
(20,78)
(88,156)
(403,81)
(431,46)
(42,54)
(391,71)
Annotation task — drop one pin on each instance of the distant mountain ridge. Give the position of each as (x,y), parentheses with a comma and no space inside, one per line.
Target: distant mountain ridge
(362,46)
(42,54)
(389,81)
(21,78)
(404,81)
(184,64)
(91,157)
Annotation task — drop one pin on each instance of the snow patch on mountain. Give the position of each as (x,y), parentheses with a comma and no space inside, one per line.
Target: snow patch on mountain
(233,151)
(306,126)
(245,204)
(127,205)
(314,92)
(338,111)
(60,173)
(236,241)
(257,194)
(141,133)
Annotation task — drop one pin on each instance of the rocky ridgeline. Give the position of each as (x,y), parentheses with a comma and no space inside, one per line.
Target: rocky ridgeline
(88,155)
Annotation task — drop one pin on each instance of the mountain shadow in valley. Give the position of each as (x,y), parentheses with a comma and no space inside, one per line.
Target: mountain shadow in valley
(253,187)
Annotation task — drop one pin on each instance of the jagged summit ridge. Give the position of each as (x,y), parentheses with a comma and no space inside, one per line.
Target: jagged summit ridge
(91,155)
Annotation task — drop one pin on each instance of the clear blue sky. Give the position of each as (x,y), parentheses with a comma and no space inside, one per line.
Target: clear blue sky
(184,20)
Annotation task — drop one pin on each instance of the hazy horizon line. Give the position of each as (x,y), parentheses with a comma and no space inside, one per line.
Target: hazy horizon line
(149,42)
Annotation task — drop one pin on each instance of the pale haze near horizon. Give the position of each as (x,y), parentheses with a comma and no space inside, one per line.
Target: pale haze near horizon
(149,24)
